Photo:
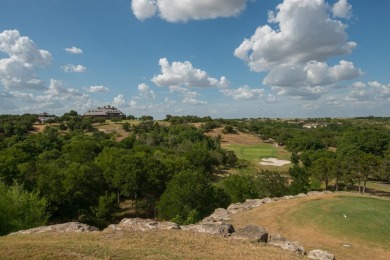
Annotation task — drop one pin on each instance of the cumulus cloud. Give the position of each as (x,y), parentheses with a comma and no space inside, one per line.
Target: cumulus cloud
(369,92)
(342,9)
(56,88)
(184,10)
(184,74)
(18,71)
(294,47)
(243,93)
(305,33)
(311,74)
(143,9)
(98,89)
(74,50)
(69,68)
(189,97)
(145,91)
(119,100)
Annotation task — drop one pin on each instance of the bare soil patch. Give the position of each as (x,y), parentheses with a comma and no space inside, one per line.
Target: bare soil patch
(273,217)
(239,138)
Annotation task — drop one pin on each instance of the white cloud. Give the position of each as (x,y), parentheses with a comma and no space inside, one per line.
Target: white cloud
(184,10)
(294,48)
(342,9)
(69,68)
(312,74)
(305,32)
(372,91)
(189,97)
(145,91)
(193,101)
(244,92)
(19,70)
(56,88)
(74,50)
(185,75)
(143,9)
(119,100)
(96,89)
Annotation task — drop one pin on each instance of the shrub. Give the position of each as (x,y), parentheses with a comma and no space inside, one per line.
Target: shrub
(20,209)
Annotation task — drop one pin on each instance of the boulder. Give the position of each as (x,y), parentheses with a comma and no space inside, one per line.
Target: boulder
(215,229)
(220,215)
(138,224)
(318,254)
(252,233)
(61,228)
(283,243)
(235,208)
(248,204)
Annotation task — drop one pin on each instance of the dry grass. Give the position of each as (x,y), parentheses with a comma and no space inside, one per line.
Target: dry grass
(275,218)
(135,245)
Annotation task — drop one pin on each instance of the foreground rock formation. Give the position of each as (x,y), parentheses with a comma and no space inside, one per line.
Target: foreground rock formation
(215,224)
(60,228)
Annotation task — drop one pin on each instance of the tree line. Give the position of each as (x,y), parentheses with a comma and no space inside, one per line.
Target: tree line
(69,171)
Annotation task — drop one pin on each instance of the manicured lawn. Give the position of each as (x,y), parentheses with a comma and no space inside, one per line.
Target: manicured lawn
(254,153)
(356,218)
(381,186)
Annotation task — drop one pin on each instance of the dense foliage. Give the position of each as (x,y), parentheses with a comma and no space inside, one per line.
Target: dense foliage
(70,171)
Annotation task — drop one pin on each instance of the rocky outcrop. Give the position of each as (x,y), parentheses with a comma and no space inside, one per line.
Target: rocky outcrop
(215,229)
(283,243)
(318,254)
(219,216)
(60,228)
(252,233)
(138,224)
(248,204)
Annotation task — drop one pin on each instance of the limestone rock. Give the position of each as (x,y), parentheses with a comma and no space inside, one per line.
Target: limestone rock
(215,229)
(61,228)
(235,208)
(138,224)
(318,254)
(281,242)
(220,215)
(252,233)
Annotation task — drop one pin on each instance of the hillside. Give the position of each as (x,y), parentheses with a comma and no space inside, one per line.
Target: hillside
(171,244)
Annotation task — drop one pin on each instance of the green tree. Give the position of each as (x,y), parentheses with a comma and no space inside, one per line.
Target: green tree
(188,198)
(20,209)
(240,187)
(300,180)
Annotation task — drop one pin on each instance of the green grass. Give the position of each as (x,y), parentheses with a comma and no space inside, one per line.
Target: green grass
(367,219)
(254,153)
(380,186)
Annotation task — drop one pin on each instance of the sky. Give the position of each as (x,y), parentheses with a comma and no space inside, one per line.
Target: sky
(218,58)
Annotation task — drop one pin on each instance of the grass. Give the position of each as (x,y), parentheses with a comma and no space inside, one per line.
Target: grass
(380,186)
(134,245)
(355,218)
(317,224)
(254,153)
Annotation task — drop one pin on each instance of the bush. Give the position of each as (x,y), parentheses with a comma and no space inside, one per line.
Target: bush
(20,209)
(188,198)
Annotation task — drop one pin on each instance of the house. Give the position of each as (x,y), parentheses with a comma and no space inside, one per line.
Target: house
(107,112)
(43,117)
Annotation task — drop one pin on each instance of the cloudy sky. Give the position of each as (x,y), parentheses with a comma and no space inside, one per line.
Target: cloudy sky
(223,58)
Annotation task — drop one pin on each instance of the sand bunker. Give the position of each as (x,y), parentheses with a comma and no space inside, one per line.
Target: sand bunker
(273,162)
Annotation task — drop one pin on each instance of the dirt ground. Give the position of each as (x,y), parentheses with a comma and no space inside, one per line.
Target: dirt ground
(238,138)
(271,216)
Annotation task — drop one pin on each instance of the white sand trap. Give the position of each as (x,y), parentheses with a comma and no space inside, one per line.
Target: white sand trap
(273,162)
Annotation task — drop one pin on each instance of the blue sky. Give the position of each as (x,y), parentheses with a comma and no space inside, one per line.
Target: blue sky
(223,58)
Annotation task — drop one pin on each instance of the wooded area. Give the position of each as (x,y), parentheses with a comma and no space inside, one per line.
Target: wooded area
(72,171)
